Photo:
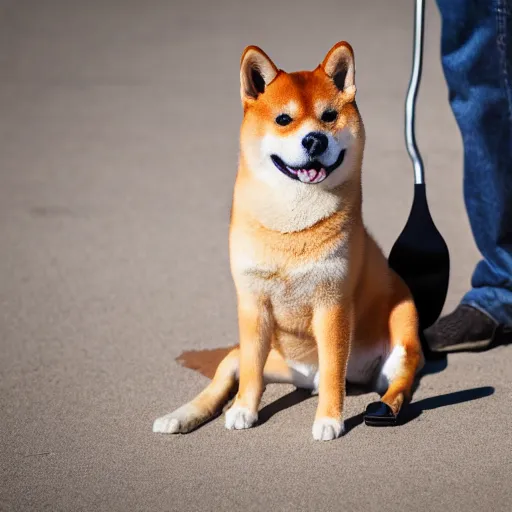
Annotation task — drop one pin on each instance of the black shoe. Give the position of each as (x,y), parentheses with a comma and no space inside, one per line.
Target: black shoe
(466,328)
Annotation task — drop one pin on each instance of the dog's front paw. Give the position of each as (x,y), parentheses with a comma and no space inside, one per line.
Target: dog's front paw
(327,429)
(180,421)
(167,425)
(238,418)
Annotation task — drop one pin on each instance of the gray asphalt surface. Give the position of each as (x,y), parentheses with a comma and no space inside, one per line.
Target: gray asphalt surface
(118,149)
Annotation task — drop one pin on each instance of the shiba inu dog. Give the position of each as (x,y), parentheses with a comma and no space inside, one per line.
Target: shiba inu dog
(317,303)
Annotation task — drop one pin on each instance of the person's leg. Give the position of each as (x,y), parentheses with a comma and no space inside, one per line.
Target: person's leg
(476,49)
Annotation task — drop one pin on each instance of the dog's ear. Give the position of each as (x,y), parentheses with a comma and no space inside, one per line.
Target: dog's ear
(339,65)
(256,72)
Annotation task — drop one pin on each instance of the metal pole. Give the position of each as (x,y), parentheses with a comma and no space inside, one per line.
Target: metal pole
(410,102)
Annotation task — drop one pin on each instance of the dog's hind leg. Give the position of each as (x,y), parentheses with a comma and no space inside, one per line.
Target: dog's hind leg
(405,360)
(211,400)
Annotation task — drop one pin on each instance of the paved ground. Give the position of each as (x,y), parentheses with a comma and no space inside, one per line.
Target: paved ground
(118,148)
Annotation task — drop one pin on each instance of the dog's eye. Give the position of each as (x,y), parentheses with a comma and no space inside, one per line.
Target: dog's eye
(329,116)
(283,119)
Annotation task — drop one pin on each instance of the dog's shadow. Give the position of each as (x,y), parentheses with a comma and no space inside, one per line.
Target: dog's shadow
(410,412)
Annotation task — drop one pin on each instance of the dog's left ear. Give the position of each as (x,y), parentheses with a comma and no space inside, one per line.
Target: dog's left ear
(256,71)
(339,65)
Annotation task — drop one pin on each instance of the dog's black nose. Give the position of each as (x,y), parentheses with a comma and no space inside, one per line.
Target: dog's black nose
(315,143)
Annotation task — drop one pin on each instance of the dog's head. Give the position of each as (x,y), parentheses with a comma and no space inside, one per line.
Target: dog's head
(301,127)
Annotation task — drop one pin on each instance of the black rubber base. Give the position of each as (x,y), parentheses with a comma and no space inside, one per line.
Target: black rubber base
(379,414)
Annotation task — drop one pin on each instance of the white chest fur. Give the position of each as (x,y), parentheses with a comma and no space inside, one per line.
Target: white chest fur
(288,283)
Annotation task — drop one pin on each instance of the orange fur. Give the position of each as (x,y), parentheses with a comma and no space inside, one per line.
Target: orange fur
(317,302)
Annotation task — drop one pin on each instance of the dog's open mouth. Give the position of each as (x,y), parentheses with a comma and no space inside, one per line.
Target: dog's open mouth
(312,172)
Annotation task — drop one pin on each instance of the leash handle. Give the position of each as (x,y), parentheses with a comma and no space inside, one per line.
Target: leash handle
(412,92)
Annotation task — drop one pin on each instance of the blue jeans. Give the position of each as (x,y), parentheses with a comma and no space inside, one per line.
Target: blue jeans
(476,49)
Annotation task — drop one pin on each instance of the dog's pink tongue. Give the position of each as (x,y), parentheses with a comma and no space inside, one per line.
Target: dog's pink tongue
(322,174)
(311,175)
(306,175)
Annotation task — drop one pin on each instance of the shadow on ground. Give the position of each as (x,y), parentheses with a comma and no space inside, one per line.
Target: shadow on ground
(415,409)
(299,395)
(410,413)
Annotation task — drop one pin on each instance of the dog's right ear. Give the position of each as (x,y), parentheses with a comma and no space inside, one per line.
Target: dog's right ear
(256,72)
